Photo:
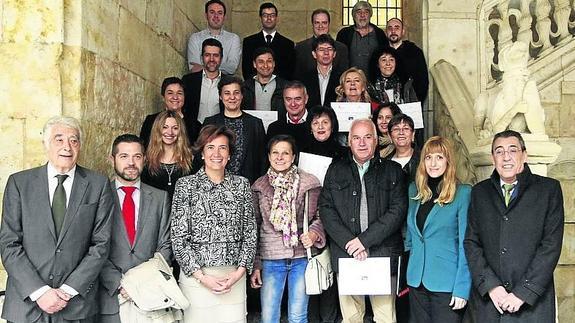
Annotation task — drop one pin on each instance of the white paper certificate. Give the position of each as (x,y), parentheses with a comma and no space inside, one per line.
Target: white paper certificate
(267,117)
(413,110)
(346,112)
(314,164)
(369,277)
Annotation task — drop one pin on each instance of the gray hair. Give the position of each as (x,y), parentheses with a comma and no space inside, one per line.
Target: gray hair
(65,121)
(361,5)
(367,121)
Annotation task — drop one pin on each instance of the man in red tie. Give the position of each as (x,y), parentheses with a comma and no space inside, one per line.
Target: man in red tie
(139,230)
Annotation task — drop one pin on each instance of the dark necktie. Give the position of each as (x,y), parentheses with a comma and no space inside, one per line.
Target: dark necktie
(59,204)
(268,39)
(129,213)
(508,188)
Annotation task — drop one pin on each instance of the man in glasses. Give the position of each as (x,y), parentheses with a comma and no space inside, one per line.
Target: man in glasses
(321,81)
(513,239)
(320,20)
(270,37)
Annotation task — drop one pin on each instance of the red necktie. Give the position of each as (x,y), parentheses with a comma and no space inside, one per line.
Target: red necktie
(129,213)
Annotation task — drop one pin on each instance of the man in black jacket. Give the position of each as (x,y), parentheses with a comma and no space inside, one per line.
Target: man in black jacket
(363,206)
(362,38)
(321,81)
(513,238)
(264,91)
(269,36)
(411,57)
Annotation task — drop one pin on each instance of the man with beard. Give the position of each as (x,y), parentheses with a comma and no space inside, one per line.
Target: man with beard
(362,38)
(201,88)
(215,11)
(411,57)
(140,227)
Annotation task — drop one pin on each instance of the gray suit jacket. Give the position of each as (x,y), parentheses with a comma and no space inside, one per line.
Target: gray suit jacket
(152,235)
(34,257)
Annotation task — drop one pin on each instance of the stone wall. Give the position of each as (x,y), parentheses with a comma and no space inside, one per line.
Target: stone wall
(101,61)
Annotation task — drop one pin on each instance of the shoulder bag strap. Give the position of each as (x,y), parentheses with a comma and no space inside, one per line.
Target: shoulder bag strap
(306,221)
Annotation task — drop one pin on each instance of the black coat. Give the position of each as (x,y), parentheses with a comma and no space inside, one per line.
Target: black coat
(311,82)
(339,204)
(410,169)
(305,61)
(283,51)
(414,67)
(193,90)
(254,137)
(516,247)
(277,103)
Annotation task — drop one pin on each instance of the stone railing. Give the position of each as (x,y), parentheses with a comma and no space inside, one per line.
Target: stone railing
(548,26)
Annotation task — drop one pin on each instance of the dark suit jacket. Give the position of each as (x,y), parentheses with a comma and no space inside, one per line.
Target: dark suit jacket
(32,255)
(339,208)
(193,90)
(254,138)
(305,61)
(516,247)
(284,54)
(277,103)
(152,235)
(193,127)
(311,81)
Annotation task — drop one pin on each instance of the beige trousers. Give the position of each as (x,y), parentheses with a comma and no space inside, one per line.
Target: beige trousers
(206,306)
(353,308)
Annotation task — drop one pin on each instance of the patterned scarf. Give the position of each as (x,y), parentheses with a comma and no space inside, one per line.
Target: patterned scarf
(283,213)
(386,146)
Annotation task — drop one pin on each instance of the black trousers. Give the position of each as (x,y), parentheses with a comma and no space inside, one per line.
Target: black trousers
(427,307)
(324,308)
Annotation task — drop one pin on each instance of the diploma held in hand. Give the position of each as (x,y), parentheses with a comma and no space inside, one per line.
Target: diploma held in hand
(368,277)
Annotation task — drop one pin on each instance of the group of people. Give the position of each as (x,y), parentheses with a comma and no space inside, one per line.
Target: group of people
(209,190)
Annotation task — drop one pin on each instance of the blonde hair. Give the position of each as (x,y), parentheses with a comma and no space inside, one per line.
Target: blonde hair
(340,91)
(182,152)
(448,184)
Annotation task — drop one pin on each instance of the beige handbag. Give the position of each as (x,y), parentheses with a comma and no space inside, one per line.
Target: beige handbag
(318,273)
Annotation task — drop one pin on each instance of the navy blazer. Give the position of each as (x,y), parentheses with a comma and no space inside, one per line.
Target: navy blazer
(437,258)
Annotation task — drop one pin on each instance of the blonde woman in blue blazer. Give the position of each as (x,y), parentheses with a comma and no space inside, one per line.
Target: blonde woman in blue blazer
(437,273)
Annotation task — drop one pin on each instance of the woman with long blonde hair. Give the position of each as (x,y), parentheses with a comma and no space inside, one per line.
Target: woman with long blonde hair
(437,273)
(352,86)
(168,156)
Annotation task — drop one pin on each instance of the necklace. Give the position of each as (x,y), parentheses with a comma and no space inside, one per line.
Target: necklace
(170,170)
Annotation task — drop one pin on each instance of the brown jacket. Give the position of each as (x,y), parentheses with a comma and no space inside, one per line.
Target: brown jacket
(270,244)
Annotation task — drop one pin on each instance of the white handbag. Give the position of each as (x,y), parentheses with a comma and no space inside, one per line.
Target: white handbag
(318,273)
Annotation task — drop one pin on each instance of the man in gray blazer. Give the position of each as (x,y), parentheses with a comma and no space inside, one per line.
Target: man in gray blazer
(55,233)
(140,225)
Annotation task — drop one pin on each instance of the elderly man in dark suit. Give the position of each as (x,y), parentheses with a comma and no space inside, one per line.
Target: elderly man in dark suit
(269,36)
(55,233)
(513,238)
(140,227)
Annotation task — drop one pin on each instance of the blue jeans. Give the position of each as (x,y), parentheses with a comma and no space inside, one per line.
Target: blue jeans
(274,275)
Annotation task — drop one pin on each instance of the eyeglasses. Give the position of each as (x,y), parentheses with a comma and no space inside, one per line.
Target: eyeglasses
(400,130)
(512,151)
(268,15)
(325,49)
